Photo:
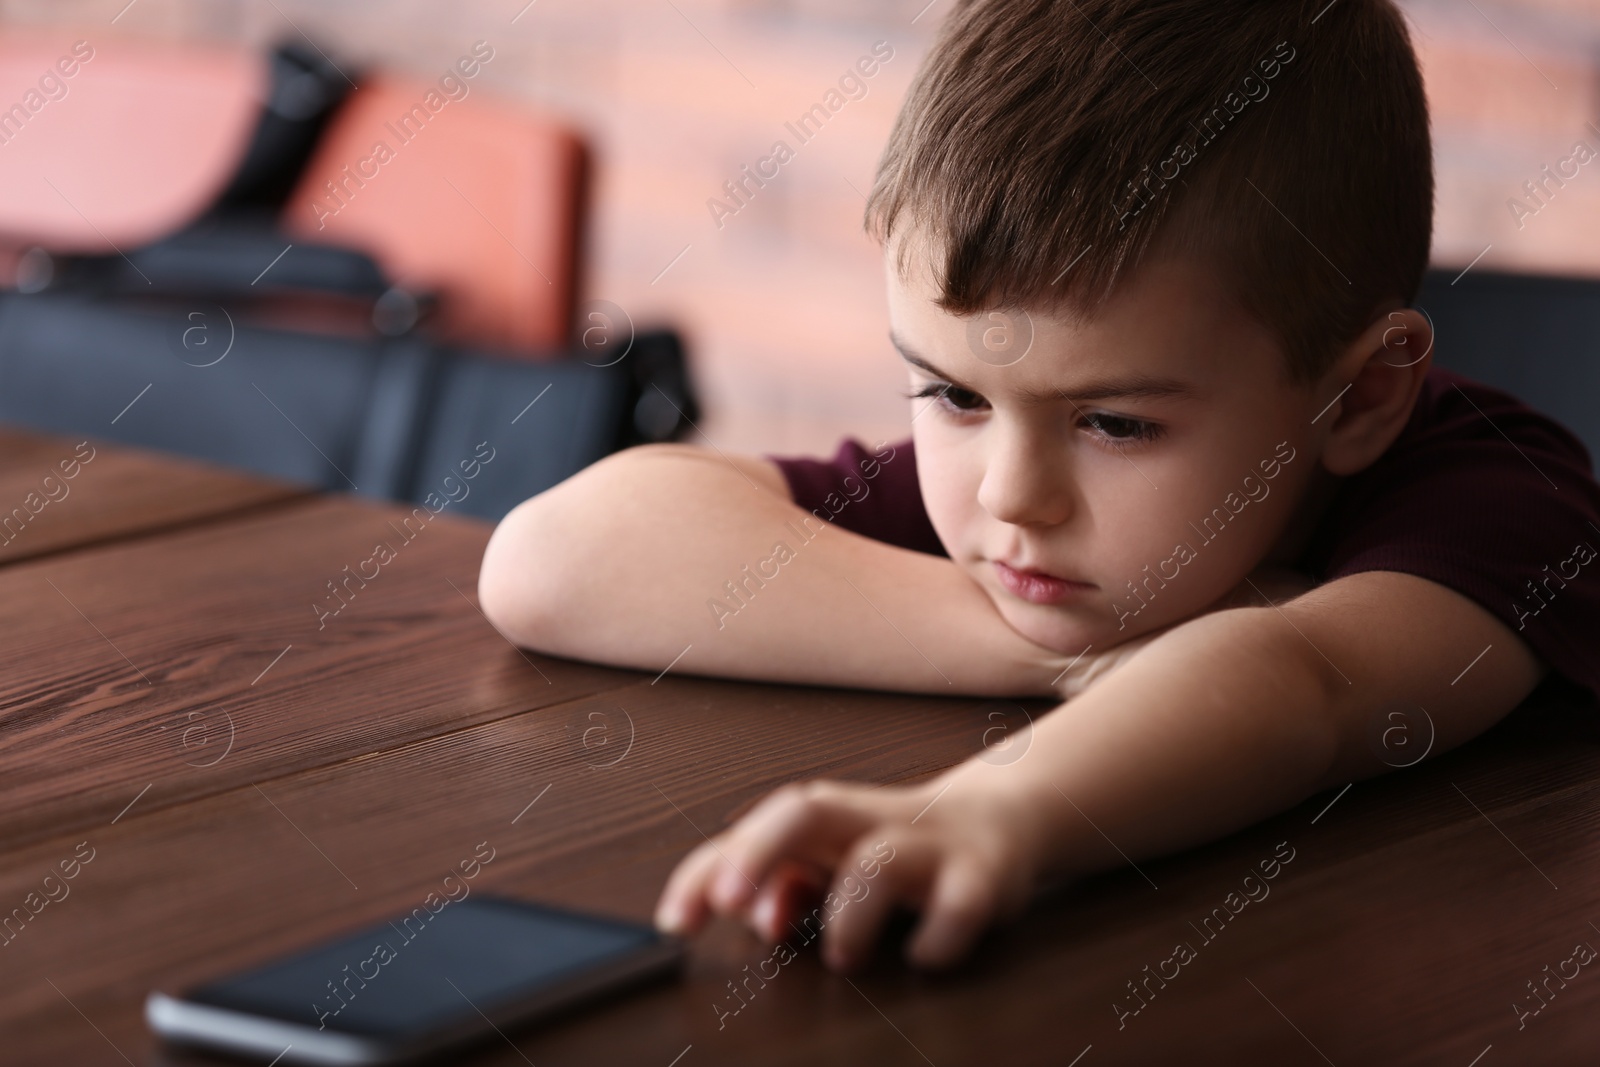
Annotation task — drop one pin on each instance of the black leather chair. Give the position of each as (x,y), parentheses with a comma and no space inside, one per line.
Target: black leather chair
(1535,336)
(386,416)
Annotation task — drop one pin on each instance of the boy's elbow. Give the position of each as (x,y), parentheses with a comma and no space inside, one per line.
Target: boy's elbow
(519,580)
(532,584)
(559,565)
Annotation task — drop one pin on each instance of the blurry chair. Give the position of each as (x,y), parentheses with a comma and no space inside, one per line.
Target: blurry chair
(479,202)
(133,145)
(547,420)
(159,301)
(296,411)
(1535,336)
(387,417)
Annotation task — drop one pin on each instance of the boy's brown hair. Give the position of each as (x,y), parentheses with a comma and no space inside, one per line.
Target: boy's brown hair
(1047,147)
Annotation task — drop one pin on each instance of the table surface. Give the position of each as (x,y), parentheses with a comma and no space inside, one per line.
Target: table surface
(252,778)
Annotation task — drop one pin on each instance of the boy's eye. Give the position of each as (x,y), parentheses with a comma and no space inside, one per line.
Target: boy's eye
(1117,429)
(943,393)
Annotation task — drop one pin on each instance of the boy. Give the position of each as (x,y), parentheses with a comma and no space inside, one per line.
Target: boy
(1149,264)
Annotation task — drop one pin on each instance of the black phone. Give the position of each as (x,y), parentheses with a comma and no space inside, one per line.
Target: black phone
(421,984)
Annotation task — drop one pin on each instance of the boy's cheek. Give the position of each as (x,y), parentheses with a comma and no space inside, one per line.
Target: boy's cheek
(950,501)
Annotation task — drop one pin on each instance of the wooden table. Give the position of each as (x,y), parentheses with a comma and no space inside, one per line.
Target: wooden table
(250,783)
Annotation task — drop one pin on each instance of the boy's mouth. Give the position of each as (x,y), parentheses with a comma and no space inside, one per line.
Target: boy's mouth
(1037,587)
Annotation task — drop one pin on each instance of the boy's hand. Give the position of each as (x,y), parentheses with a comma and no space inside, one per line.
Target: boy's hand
(953,849)
(848,854)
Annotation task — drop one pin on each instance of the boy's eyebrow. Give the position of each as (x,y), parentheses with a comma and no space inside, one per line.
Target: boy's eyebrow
(1134,386)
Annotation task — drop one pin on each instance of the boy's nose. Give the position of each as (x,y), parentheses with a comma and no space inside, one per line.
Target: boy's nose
(1024,485)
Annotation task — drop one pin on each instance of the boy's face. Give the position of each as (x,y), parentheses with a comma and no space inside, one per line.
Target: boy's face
(1158,443)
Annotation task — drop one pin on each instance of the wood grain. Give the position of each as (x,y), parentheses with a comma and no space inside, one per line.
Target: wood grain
(1400,932)
(140,664)
(216,883)
(119,492)
(372,749)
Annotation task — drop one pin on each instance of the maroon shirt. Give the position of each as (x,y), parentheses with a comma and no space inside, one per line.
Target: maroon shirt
(1479,493)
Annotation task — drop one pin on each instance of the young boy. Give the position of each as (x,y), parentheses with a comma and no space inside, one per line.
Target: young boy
(1149,264)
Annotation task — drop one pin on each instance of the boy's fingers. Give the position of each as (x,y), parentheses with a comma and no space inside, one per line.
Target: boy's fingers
(687,899)
(868,901)
(683,907)
(791,888)
(810,823)
(965,897)
(774,863)
(725,872)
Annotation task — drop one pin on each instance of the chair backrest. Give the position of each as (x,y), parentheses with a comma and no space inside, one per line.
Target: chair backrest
(111,144)
(133,143)
(550,420)
(393,418)
(540,423)
(1535,336)
(476,200)
(285,405)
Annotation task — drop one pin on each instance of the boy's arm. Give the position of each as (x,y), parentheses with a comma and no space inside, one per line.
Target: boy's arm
(1225,719)
(626,562)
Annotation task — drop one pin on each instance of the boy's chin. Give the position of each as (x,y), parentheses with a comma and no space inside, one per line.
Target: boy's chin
(1060,629)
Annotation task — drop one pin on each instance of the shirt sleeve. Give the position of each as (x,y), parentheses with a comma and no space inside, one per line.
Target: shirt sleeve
(1488,497)
(874,493)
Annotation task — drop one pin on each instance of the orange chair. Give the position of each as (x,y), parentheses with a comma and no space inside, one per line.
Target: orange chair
(107,144)
(134,143)
(473,199)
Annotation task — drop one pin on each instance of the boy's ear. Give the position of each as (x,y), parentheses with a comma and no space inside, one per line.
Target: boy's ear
(1384,369)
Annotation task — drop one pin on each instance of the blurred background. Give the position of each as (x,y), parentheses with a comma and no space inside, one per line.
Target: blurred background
(781,303)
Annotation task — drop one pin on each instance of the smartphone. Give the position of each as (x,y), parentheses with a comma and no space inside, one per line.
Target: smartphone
(419,985)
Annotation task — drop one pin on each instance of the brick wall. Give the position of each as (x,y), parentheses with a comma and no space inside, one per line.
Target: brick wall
(783,302)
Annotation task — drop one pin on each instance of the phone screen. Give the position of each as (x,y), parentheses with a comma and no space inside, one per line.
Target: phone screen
(426,972)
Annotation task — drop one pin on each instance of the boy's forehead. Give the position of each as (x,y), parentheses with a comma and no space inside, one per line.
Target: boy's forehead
(911,269)
(1052,371)
(1171,322)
